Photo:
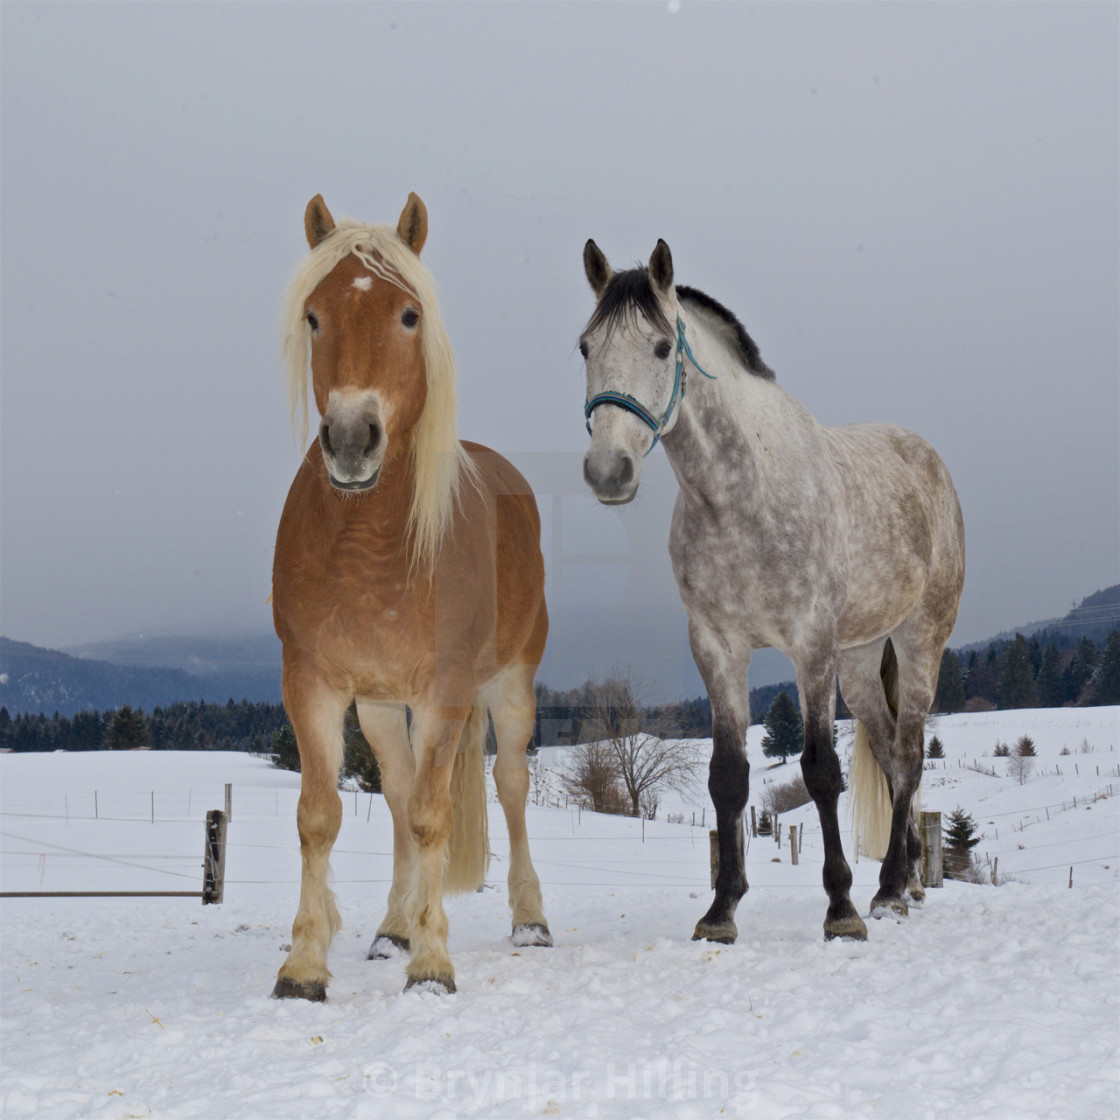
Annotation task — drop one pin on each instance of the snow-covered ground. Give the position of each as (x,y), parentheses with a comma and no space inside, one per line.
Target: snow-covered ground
(988,1002)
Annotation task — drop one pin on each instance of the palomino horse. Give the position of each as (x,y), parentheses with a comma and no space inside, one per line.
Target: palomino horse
(842,547)
(408,578)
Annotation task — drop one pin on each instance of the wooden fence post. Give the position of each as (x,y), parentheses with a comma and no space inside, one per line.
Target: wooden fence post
(713,854)
(229,802)
(932,870)
(214,873)
(754,823)
(793,843)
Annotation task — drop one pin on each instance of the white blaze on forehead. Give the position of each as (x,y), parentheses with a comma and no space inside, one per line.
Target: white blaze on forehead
(363,283)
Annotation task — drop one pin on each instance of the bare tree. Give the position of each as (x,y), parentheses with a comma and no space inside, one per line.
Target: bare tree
(647,765)
(591,779)
(786,797)
(644,762)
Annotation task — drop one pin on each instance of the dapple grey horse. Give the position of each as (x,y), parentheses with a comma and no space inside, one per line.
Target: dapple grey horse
(842,547)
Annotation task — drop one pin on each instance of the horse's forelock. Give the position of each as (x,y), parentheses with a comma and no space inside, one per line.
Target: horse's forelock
(629,296)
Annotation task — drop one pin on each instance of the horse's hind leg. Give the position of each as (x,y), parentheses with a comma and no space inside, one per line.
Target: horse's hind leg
(725,677)
(385,727)
(820,768)
(869,683)
(512,704)
(917,680)
(914,887)
(317,714)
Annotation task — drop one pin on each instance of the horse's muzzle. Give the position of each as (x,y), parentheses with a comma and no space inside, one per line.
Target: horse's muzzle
(613,476)
(352,439)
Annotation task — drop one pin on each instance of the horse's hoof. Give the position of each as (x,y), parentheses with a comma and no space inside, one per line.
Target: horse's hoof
(849,927)
(531,934)
(386,946)
(287,988)
(441,985)
(724,934)
(884,906)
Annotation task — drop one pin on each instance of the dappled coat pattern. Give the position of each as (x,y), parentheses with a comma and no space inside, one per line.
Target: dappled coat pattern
(842,547)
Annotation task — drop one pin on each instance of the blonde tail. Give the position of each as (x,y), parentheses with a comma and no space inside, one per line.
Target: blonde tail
(468,847)
(870,797)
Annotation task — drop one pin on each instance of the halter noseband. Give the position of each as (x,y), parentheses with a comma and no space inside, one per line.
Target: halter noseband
(624,400)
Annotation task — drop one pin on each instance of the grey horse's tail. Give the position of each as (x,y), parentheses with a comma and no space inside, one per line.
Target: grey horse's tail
(870,798)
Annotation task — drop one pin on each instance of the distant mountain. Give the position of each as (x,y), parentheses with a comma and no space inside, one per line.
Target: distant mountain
(247,661)
(144,673)
(1094,618)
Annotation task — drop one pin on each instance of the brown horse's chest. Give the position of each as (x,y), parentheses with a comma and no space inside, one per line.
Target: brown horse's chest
(341,592)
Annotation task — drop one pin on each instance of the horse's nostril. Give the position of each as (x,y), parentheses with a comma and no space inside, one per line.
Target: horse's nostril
(626,472)
(590,475)
(325,438)
(374,439)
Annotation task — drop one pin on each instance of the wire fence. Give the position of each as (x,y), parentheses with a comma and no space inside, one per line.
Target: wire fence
(679,849)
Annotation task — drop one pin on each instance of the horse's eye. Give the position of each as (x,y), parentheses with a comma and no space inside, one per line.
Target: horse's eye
(662,349)
(410,317)
(312,321)
(583,348)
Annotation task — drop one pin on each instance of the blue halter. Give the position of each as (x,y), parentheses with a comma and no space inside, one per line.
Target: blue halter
(624,400)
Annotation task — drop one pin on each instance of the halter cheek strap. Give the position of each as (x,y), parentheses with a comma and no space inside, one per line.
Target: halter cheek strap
(631,404)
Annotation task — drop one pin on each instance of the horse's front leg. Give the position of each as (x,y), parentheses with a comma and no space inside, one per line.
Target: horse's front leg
(385,727)
(317,713)
(725,677)
(820,768)
(435,735)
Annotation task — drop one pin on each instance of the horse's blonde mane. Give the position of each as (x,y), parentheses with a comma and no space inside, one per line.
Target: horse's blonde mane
(438,459)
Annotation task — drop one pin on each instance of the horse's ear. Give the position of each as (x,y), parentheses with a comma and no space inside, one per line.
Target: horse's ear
(317,221)
(661,267)
(599,273)
(412,229)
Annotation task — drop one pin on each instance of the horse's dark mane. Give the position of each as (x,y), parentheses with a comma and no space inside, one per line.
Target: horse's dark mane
(630,293)
(735,331)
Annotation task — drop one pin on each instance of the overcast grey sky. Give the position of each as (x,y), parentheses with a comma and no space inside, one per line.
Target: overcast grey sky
(912,207)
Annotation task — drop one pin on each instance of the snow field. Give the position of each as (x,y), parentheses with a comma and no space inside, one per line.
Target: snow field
(988,1002)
